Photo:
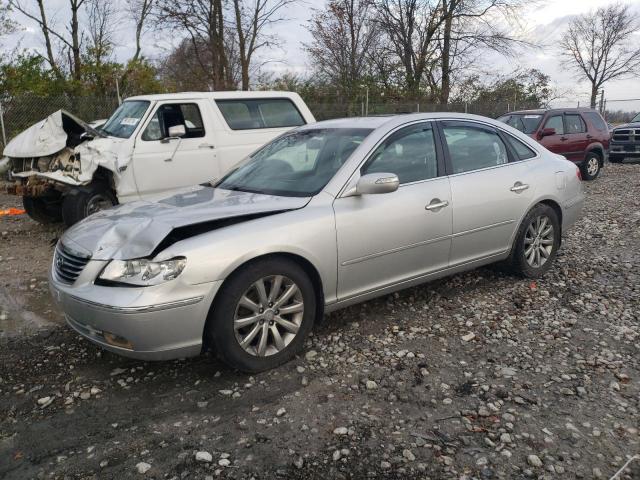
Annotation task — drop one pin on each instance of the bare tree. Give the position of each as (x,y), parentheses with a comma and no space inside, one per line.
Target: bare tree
(412,27)
(140,11)
(601,46)
(470,26)
(203,21)
(100,21)
(344,37)
(252,18)
(71,42)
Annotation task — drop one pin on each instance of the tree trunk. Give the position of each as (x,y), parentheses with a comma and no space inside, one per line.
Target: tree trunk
(47,39)
(242,46)
(445,87)
(594,94)
(75,40)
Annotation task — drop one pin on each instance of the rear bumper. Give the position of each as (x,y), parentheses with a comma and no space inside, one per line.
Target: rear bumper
(145,330)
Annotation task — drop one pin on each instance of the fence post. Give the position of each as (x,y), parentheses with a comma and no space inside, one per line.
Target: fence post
(417,107)
(4,134)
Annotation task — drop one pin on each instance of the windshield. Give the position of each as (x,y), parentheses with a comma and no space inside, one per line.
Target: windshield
(298,164)
(125,119)
(522,122)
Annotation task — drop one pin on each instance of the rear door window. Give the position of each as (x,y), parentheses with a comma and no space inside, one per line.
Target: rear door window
(575,124)
(473,148)
(521,150)
(248,114)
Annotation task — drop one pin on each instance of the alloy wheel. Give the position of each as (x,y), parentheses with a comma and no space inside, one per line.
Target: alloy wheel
(538,241)
(268,315)
(593,165)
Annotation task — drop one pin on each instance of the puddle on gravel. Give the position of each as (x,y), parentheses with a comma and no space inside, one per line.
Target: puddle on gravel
(24,312)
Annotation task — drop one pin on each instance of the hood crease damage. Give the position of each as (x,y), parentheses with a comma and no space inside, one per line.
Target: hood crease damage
(142,229)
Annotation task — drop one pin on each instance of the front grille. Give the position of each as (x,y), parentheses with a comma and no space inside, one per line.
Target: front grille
(626,135)
(68,265)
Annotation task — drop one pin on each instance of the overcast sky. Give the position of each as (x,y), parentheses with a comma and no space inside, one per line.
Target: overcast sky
(543,23)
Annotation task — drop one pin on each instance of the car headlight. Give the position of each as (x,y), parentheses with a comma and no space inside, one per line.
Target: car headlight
(143,272)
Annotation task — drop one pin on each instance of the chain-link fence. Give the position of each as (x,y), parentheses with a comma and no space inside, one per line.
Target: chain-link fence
(21,112)
(325,111)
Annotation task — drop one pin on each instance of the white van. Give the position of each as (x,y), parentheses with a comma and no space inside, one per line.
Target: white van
(152,144)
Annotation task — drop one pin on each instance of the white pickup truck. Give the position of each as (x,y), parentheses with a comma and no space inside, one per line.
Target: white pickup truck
(152,144)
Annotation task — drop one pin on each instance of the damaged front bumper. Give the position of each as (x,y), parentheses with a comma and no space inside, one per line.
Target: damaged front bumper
(162,322)
(61,152)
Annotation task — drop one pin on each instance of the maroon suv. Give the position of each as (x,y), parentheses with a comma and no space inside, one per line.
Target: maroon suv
(579,134)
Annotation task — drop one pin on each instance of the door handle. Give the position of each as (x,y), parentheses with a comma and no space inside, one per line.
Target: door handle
(563,138)
(206,145)
(519,187)
(589,136)
(436,204)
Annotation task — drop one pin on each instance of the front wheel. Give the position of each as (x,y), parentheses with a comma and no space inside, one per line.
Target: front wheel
(45,209)
(81,202)
(591,167)
(262,315)
(537,242)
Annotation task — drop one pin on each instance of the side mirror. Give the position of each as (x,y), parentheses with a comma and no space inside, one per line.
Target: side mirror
(546,132)
(177,131)
(375,183)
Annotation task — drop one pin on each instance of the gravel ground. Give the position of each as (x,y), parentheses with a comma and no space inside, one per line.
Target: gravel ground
(481,375)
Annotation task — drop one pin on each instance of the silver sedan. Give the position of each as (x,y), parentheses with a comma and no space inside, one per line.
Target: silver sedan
(325,216)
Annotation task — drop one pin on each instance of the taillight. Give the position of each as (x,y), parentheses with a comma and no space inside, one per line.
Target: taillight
(578,174)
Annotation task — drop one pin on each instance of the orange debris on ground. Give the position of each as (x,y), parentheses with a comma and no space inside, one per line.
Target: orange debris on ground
(11,211)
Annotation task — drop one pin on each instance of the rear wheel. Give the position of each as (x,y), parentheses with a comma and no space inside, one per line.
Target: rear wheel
(45,209)
(537,242)
(81,202)
(262,315)
(591,166)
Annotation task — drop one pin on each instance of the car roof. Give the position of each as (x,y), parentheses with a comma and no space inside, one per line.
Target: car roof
(392,121)
(542,111)
(230,95)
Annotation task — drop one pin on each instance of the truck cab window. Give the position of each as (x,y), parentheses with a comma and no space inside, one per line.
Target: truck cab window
(172,114)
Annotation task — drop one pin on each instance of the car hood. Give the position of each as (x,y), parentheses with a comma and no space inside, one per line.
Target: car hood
(628,125)
(135,230)
(46,137)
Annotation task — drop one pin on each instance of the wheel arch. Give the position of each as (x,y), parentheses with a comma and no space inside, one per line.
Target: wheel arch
(308,267)
(556,208)
(598,149)
(550,202)
(105,175)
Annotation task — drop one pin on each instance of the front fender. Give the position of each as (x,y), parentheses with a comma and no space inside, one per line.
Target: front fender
(308,232)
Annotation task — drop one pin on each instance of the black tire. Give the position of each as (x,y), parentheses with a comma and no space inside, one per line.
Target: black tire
(615,158)
(45,209)
(81,202)
(220,333)
(518,260)
(590,168)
